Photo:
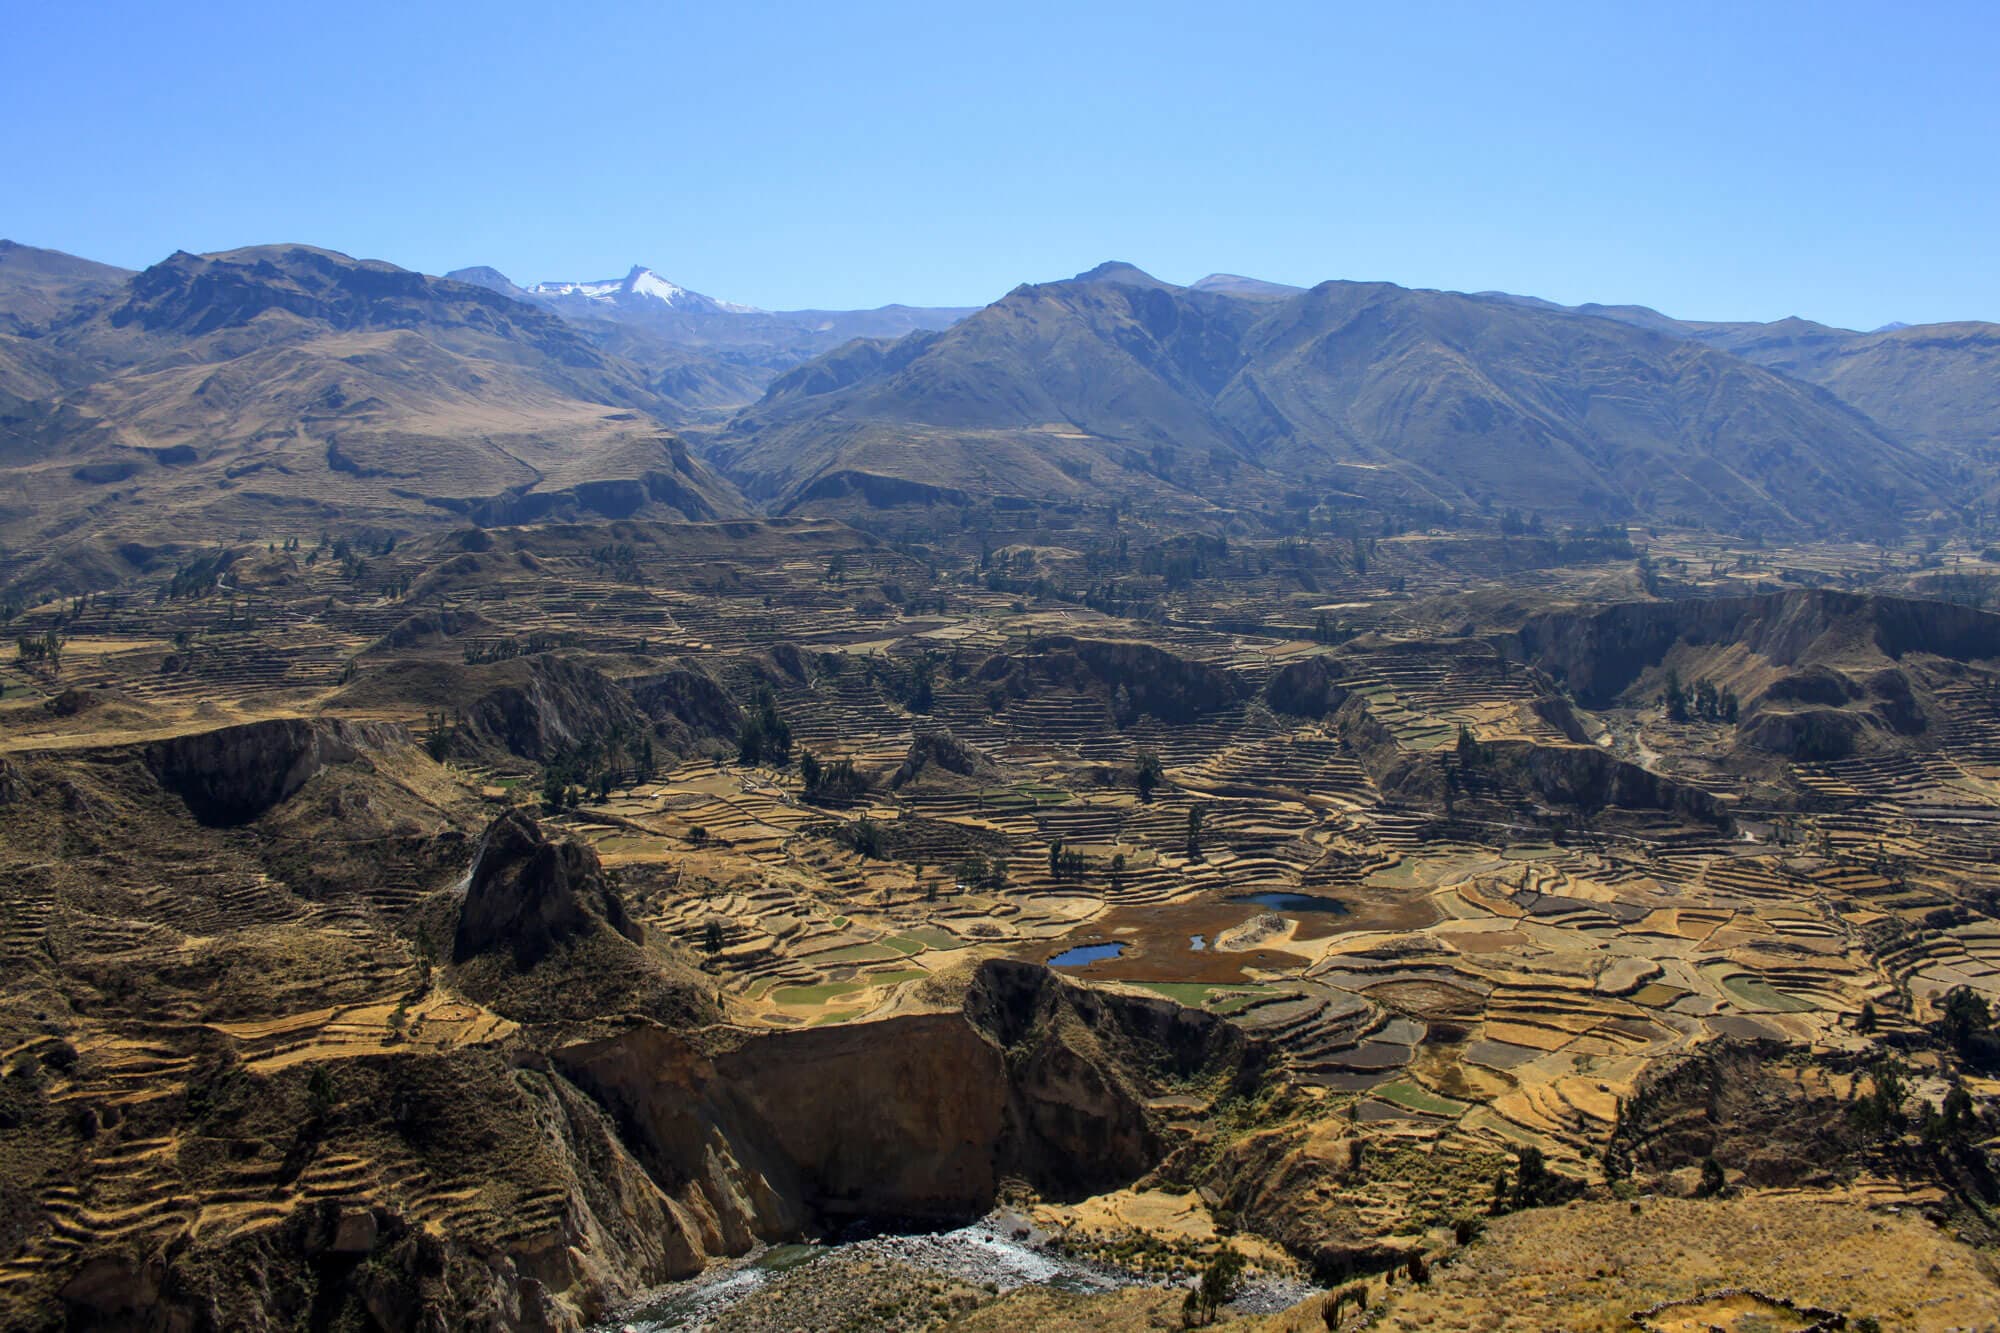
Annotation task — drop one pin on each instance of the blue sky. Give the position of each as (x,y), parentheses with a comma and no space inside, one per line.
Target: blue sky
(1741,161)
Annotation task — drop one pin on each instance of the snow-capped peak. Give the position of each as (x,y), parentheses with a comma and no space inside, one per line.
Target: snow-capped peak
(641,284)
(645,282)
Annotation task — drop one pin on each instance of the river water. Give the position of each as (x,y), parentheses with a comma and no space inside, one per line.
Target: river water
(1002,1250)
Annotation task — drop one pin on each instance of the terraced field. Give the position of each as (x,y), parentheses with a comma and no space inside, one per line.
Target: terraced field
(1465,900)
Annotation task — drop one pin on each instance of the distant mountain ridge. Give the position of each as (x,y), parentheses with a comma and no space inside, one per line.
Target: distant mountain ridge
(1934,386)
(230,392)
(221,391)
(643,313)
(1115,384)
(632,291)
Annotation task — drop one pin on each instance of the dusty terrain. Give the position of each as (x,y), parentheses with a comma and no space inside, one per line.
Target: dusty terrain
(487,928)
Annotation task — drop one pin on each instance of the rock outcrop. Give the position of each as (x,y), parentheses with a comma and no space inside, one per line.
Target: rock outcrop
(1570,777)
(918,1117)
(1601,654)
(1134,679)
(233,774)
(551,705)
(686,707)
(940,752)
(526,894)
(1821,674)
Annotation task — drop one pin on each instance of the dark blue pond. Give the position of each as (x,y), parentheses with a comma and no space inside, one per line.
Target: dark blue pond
(1292,902)
(1086,953)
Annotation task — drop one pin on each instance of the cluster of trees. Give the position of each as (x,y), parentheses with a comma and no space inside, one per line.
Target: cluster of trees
(1182,560)
(1326,632)
(911,683)
(352,553)
(1965,1027)
(621,560)
(1965,1023)
(1469,754)
(865,836)
(1533,1185)
(1335,1306)
(764,737)
(439,731)
(1703,701)
(44,649)
(1065,864)
(1219,1281)
(506,650)
(595,766)
(1880,1114)
(977,871)
(1360,550)
(836,781)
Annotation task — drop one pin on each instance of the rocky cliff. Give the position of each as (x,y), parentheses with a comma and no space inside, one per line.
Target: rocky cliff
(921,1117)
(1134,679)
(1821,674)
(526,894)
(1569,777)
(234,774)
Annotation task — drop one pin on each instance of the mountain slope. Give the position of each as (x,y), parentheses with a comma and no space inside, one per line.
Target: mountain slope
(40,288)
(1933,386)
(1115,384)
(287,386)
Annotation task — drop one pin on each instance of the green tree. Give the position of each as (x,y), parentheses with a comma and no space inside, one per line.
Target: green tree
(865,837)
(1219,1281)
(321,1094)
(1964,1016)
(750,741)
(1148,774)
(1676,698)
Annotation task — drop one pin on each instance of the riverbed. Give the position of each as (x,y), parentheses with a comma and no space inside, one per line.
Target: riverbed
(1001,1252)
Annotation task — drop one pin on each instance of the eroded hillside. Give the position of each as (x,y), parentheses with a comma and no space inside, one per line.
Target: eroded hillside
(487,928)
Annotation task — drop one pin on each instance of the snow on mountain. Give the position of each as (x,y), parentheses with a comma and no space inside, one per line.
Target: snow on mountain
(640,285)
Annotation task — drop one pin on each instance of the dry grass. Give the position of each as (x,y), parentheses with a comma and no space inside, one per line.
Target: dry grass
(1589,1266)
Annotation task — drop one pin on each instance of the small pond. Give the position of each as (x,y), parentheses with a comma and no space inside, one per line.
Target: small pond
(1292,902)
(1084,954)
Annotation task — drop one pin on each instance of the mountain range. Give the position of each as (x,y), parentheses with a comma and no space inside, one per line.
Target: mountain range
(1935,386)
(286,386)
(1114,385)
(644,316)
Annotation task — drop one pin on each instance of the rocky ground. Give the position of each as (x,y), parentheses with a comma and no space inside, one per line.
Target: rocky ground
(921,1280)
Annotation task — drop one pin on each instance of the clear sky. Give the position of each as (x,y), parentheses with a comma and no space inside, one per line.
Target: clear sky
(1745,160)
